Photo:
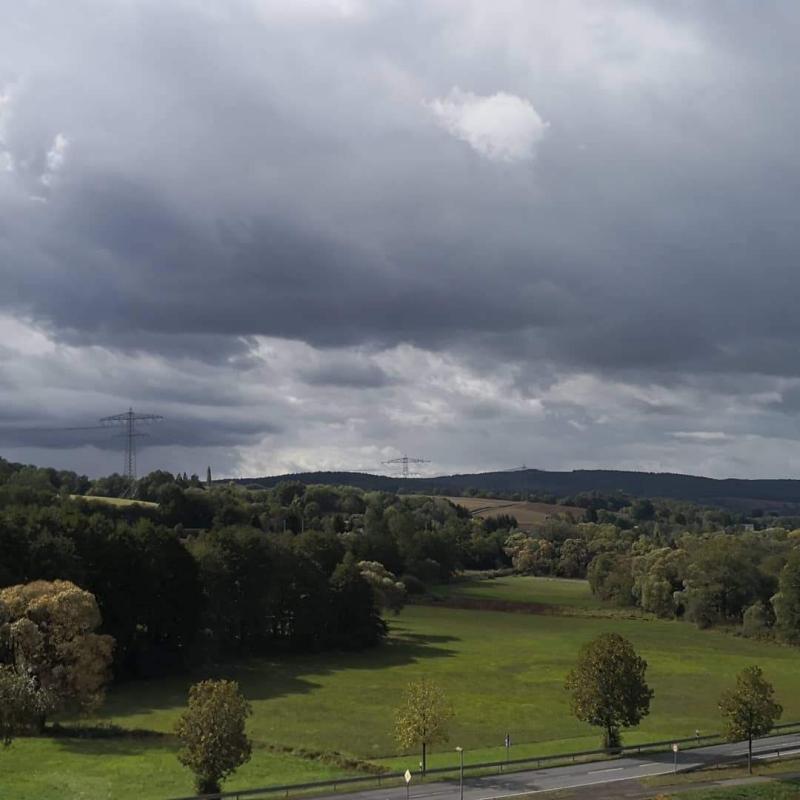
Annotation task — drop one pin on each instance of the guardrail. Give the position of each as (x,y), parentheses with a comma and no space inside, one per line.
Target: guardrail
(389,779)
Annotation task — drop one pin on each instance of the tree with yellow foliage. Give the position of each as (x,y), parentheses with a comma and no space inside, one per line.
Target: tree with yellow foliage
(47,632)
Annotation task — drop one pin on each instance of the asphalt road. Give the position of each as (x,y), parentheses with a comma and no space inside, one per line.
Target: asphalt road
(578,775)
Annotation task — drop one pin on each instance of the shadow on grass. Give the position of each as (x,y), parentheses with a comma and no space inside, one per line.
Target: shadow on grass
(141,746)
(272,676)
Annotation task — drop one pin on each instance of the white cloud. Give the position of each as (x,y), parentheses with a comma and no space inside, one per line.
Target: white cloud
(6,159)
(501,127)
(54,159)
(703,436)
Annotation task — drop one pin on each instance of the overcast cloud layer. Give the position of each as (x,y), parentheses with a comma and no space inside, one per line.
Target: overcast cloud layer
(320,233)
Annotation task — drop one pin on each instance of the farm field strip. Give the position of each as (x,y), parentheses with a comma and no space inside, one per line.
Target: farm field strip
(525,512)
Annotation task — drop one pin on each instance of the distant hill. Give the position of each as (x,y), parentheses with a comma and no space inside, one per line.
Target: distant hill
(770,494)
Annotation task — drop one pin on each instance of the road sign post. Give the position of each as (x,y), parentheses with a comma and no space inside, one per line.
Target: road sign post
(407,776)
(675,754)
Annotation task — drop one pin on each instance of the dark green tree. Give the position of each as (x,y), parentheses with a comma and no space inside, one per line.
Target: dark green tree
(608,688)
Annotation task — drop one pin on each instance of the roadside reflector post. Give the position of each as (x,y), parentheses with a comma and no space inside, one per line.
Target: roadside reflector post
(675,754)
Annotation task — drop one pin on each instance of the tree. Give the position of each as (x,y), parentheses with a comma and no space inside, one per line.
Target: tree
(610,578)
(530,556)
(749,709)
(390,593)
(786,602)
(722,580)
(212,732)
(50,636)
(608,686)
(756,620)
(573,559)
(21,703)
(422,718)
(354,620)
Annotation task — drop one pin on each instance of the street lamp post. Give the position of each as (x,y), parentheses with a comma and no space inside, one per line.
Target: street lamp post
(460,751)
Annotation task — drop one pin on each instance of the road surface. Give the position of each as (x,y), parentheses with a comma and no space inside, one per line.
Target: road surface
(578,775)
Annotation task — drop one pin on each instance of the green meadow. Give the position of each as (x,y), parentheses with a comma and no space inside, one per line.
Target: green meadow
(504,672)
(560,592)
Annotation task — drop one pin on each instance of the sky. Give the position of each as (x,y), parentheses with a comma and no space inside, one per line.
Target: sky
(320,234)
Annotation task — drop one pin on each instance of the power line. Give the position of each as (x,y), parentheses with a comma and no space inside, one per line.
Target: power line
(129,420)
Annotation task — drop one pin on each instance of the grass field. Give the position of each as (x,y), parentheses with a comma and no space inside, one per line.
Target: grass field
(127,769)
(112,501)
(503,672)
(558,592)
(772,790)
(526,514)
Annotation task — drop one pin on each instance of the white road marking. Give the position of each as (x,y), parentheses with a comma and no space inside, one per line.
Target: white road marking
(608,769)
(571,786)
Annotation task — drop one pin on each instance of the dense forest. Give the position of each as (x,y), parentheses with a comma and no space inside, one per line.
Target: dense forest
(210,571)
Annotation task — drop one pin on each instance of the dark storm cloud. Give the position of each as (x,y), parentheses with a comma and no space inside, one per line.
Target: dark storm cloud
(178,432)
(345,373)
(178,180)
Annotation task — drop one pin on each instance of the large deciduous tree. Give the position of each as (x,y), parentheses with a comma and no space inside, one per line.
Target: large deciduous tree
(212,731)
(49,634)
(749,709)
(423,717)
(608,687)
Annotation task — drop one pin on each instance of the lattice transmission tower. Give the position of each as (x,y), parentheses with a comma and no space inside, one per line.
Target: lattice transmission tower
(129,422)
(404,462)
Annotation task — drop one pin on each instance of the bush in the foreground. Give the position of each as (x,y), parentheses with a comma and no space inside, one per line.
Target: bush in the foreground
(212,731)
(608,687)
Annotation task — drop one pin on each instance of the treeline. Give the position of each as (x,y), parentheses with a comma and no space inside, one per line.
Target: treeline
(217,571)
(739,494)
(170,600)
(677,561)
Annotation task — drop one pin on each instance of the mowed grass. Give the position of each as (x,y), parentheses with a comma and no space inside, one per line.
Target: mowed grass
(559,592)
(503,672)
(774,790)
(128,769)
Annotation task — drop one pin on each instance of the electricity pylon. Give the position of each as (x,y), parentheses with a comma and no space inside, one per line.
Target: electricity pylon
(404,461)
(129,421)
